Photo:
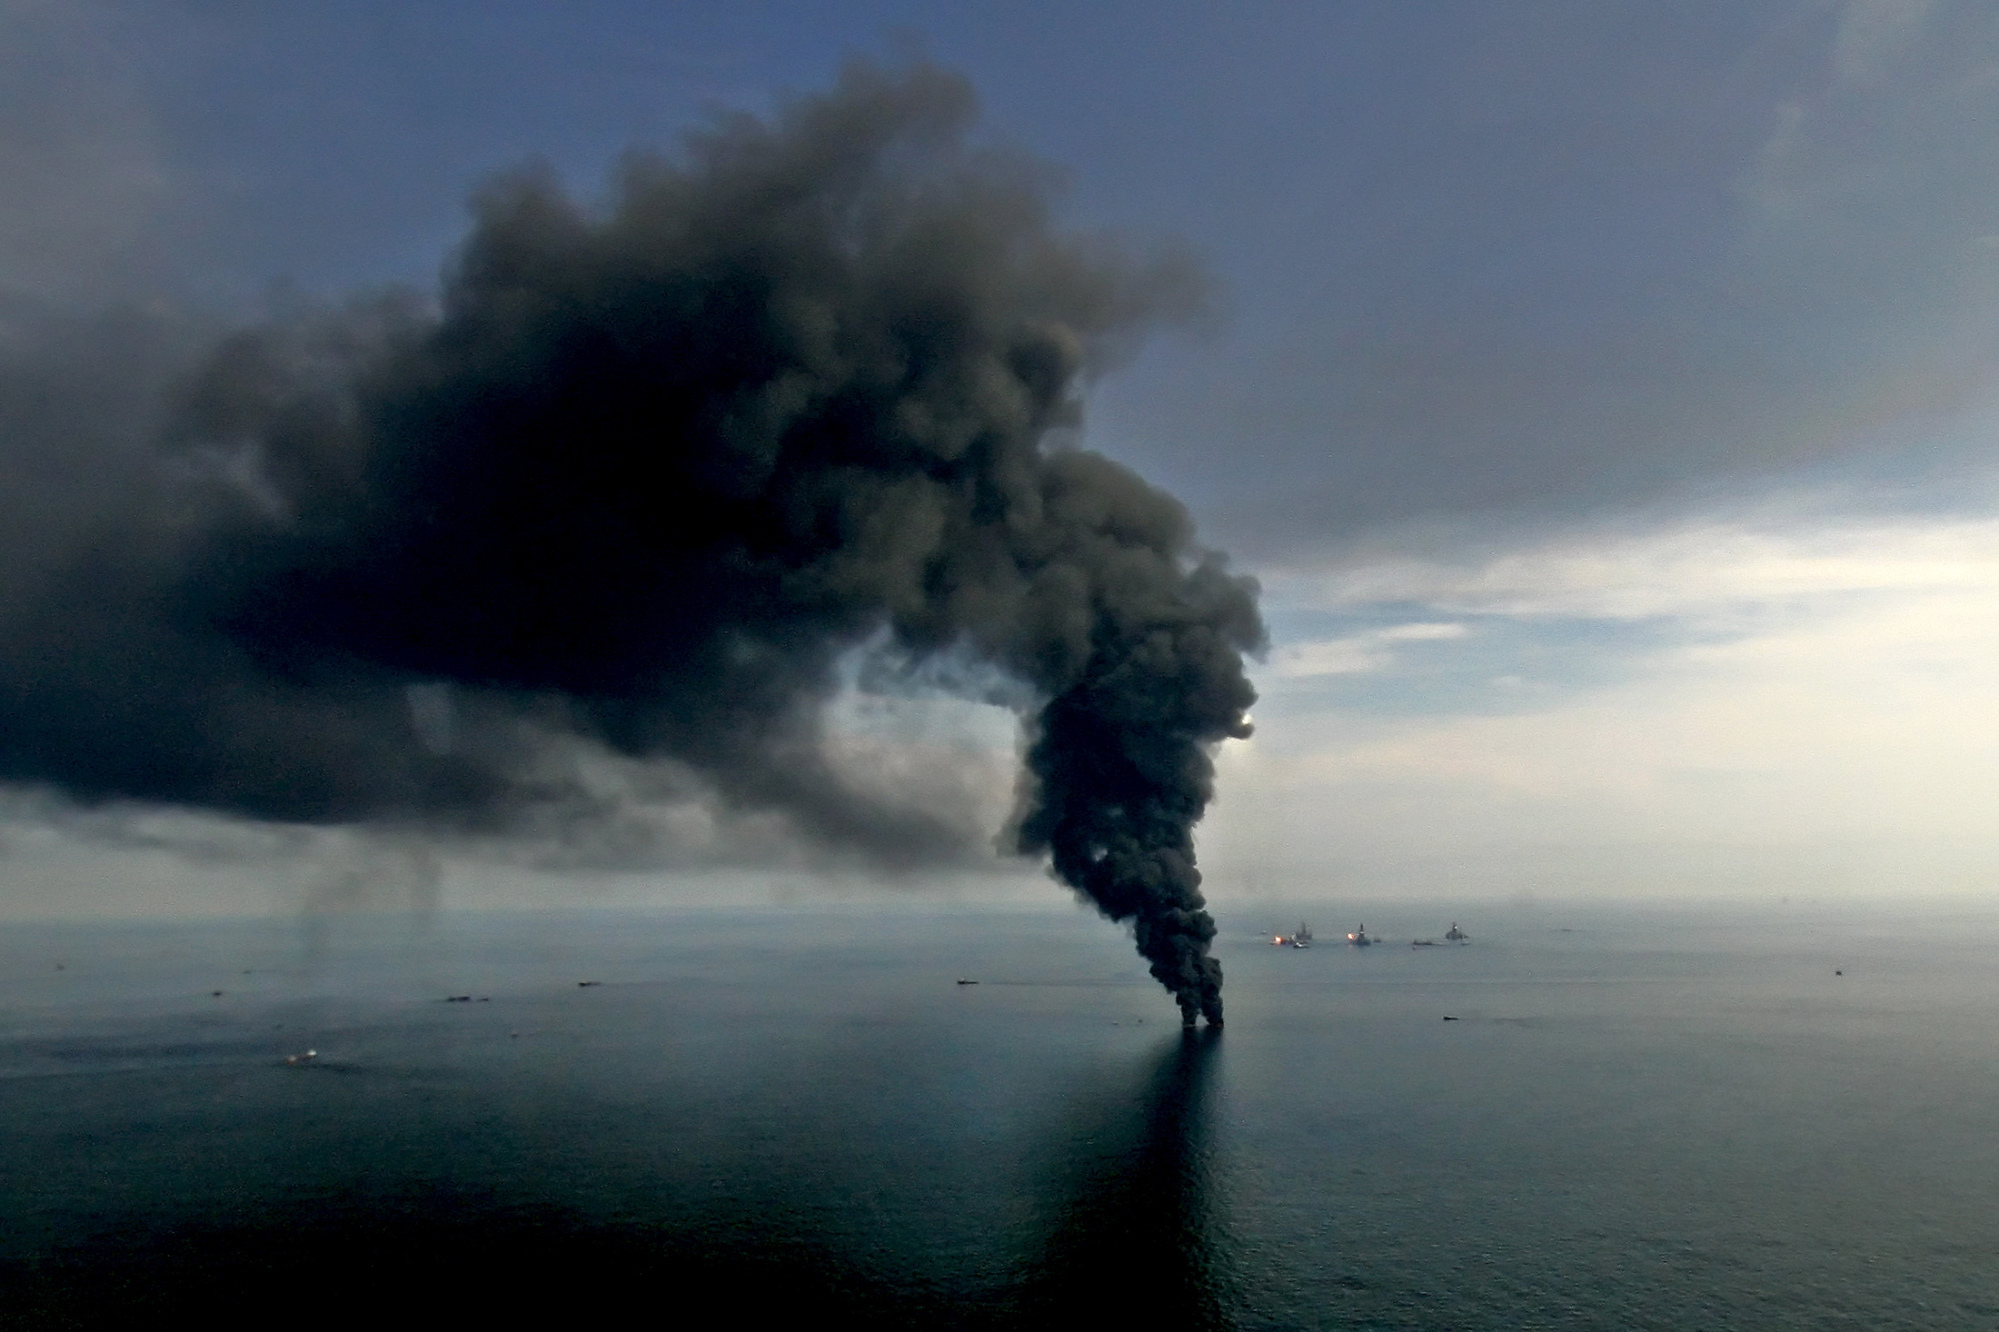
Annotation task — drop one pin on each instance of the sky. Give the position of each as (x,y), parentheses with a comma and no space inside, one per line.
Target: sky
(1600,392)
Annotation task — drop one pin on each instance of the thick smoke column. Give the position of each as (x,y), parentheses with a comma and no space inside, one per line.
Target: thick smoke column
(644,477)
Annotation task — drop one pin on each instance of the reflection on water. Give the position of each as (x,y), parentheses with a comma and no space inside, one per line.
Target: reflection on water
(1137,1238)
(1123,1206)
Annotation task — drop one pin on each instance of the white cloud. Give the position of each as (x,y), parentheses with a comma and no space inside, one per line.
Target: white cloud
(1849,705)
(1881,723)
(1356,653)
(1708,570)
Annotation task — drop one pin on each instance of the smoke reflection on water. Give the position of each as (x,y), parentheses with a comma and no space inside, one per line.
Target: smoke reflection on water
(1124,1227)
(1137,1237)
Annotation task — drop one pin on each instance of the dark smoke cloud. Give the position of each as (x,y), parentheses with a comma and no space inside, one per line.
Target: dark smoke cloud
(644,477)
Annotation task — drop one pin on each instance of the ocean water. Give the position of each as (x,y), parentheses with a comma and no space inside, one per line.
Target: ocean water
(1636,1119)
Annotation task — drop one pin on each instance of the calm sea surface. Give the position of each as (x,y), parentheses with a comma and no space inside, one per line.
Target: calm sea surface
(1637,1119)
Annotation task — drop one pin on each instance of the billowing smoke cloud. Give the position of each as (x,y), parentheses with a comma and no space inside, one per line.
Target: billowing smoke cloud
(641,480)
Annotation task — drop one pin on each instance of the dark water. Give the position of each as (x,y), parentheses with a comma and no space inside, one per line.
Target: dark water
(1637,1120)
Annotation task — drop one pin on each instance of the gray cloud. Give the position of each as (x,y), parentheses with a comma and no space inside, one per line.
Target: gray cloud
(89,188)
(1596,257)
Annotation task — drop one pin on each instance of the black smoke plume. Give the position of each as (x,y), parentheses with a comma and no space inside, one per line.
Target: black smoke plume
(643,477)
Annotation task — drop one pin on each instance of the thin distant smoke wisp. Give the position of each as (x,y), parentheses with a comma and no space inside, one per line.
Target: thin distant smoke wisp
(643,477)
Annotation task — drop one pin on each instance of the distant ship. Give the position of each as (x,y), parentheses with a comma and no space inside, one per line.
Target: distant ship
(1359,938)
(1456,935)
(1302,939)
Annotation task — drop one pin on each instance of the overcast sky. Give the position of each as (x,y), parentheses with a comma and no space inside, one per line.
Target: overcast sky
(1602,392)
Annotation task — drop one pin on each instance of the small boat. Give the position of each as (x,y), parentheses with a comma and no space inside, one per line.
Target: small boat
(1359,938)
(1422,943)
(963,981)
(1456,935)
